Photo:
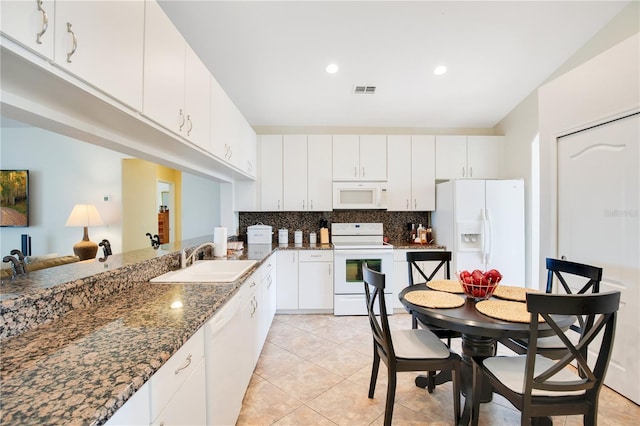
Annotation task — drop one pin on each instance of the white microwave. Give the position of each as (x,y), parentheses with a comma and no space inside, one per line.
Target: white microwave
(359,195)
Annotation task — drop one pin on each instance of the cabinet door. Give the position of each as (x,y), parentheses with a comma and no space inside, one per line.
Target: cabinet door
(102,43)
(484,156)
(134,412)
(197,100)
(451,157)
(373,157)
(188,405)
(315,285)
(221,117)
(423,173)
(269,295)
(271,172)
(345,154)
(399,182)
(294,174)
(319,173)
(287,270)
(30,24)
(248,148)
(164,70)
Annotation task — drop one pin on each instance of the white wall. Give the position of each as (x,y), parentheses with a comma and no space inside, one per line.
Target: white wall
(521,126)
(200,206)
(62,172)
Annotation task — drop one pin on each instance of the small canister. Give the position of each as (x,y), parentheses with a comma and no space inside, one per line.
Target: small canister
(297,237)
(312,238)
(283,236)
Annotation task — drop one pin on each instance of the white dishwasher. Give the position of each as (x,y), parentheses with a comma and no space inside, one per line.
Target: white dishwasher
(225,352)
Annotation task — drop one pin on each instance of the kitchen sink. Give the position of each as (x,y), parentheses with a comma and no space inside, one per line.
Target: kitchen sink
(207,271)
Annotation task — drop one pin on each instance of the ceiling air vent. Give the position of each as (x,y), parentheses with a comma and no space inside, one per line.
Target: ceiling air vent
(364,90)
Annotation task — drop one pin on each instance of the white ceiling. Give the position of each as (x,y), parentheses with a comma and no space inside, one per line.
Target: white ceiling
(270,57)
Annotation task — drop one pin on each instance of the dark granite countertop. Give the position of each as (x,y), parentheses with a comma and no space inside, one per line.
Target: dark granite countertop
(80,368)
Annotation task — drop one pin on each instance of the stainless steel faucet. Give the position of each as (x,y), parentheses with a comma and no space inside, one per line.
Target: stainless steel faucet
(184,259)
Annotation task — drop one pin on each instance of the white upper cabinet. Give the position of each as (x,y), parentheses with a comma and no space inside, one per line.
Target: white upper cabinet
(307,179)
(102,42)
(270,148)
(177,85)
(319,173)
(423,173)
(232,138)
(197,96)
(294,174)
(411,183)
(164,70)
(360,157)
(99,42)
(30,23)
(477,157)
(485,156)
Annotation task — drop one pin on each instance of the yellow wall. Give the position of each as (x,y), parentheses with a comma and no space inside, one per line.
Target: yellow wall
(139,203)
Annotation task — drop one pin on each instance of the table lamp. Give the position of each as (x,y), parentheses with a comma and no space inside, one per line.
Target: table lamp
(85,215)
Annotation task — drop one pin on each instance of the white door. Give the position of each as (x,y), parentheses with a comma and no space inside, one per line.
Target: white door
(598,224)
(399,182)
(373,157)
(345,157)
(423,173)
(271,172)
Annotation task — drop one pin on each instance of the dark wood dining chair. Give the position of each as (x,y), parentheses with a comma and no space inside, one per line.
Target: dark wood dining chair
(438,261)
(563,274)
(403,350)
(539,386)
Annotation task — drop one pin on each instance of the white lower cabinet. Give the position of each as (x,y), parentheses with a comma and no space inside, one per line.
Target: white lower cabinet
(401,272)
(188,405)
(268,297)
(287,295)
(315,280)
(178,387)
(134,412)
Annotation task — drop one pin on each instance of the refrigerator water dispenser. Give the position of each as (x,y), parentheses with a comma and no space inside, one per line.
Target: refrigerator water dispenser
(470,236)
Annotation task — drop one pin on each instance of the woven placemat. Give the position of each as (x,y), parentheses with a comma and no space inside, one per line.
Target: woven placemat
(434,299)
(450,286)
(508,292)
(505,310)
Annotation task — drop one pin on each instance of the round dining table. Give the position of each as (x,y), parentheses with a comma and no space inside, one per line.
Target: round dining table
(480,334)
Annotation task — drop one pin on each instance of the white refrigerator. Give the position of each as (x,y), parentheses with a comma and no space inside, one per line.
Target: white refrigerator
(482,223)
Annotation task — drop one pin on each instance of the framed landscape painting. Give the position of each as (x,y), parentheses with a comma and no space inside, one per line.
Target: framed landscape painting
(14,192)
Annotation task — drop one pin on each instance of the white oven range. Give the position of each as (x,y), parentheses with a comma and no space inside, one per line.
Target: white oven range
(353,245)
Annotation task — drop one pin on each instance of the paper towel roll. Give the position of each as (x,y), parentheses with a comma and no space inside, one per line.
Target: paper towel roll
(220,241)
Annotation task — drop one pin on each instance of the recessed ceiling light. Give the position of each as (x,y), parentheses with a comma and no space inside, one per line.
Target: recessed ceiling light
(441,69)
(332,68)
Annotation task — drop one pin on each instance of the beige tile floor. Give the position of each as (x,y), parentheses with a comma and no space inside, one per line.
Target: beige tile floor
(315,370)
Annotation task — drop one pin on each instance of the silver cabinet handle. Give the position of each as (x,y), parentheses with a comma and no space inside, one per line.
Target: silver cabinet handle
(253,284)
(355,171)
(45,22)
(230,152)
(302,204)
(470,171)
(186,363)
(329,269)
(270,282)
(181,123)
(407,204)
(463,172)
(189,125)
(278,204)
(415,204)
(311,206)
(75,42)
(363,174)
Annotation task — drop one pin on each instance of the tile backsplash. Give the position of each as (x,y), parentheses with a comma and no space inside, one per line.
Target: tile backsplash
(395,223)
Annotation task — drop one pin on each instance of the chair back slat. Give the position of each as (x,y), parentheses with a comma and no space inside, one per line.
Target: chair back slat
(560,271)
(600,309)
(374,285)
(442,257)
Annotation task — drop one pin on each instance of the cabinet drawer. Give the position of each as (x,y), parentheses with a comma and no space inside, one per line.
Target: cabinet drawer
(267,267)
(175,372)
(316,255)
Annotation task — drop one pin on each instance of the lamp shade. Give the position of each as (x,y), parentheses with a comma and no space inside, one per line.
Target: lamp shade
(84,215)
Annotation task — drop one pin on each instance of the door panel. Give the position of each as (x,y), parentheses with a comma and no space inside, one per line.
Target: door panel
(598,224)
